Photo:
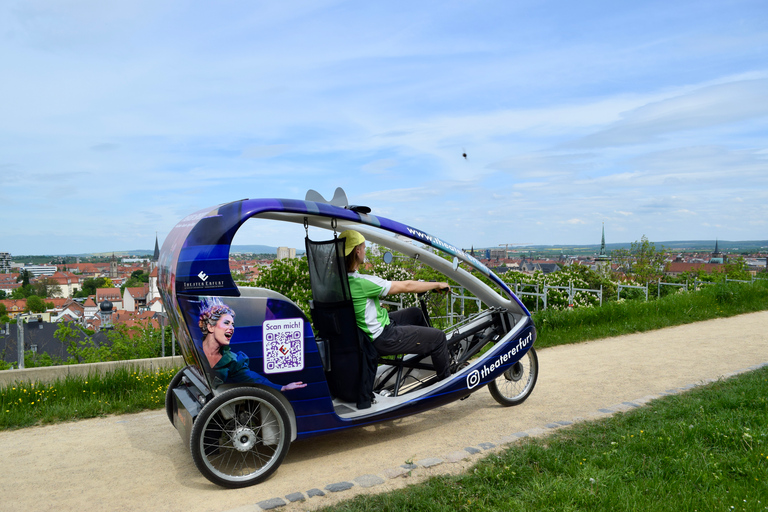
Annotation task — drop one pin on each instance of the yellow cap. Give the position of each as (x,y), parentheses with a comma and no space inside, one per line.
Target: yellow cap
(353,239)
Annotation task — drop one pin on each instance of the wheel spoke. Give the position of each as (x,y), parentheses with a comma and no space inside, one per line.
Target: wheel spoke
(241,438)
(515,385)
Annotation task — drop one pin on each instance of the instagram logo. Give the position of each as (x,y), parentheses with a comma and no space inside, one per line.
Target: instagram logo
(473,379)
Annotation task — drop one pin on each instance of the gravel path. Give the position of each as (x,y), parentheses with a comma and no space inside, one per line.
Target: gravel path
(138,462)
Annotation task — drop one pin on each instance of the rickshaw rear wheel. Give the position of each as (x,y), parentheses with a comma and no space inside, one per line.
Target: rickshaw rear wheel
(240,437)
(516,384)
(169,397)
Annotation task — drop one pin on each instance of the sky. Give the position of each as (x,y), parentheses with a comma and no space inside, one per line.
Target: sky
(120,118)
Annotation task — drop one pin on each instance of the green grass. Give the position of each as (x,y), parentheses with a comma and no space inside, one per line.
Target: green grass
(705,450)
(557,327)
(122,391)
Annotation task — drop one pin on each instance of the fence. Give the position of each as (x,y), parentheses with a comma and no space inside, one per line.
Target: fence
(38,337)
(543,296)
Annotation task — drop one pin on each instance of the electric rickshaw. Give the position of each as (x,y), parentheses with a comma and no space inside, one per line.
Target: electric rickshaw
(239,422)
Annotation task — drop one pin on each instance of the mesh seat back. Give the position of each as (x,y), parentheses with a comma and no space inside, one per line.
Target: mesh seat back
(351,357)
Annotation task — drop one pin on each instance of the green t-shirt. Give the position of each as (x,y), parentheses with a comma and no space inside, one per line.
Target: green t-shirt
(366,291)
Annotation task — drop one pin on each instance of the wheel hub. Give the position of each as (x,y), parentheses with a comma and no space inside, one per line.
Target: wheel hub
(515,373)
(243,439)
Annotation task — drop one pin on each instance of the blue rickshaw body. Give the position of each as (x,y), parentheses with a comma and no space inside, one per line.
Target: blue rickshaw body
(194,269)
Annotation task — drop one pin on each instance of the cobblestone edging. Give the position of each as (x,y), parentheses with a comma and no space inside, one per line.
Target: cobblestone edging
(366,481)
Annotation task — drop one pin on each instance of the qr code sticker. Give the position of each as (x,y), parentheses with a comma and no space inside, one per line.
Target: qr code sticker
(283,345)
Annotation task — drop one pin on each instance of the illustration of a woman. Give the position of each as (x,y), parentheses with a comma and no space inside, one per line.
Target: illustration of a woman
(217,323)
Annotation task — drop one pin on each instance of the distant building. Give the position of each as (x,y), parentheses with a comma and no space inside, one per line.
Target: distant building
(135,298)
(156,254)
(717,256)
(105,314)
(68,283)
(285,253)
(545,267)
(41,270)
(113,273)
(602,261)
(111,295)
(5,262)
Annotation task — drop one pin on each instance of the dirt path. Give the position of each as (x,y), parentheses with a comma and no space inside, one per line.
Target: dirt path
(138,462)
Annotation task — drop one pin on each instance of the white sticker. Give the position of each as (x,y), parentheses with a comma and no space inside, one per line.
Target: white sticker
(283,345)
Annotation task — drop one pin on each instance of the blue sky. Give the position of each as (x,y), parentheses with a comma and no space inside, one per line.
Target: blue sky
(120,118)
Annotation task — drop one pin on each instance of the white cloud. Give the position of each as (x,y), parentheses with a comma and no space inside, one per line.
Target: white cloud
(650,117)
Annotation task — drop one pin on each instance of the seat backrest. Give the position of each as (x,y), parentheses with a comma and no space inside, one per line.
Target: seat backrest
(351,357)
(327,272)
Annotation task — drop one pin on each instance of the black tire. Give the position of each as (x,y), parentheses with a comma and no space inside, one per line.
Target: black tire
(228,437)
(169,398)
(516,384)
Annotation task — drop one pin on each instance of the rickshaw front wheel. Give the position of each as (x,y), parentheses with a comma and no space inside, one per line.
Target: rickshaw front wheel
(516,384)
(240,437)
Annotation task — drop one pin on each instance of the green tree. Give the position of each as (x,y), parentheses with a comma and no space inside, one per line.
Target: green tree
(738,269)
(137,342)
(138,278)
(36,304)
(643,261)
(46,287)
(91,284)
(80,344)
(22,292)
(593,279)
(289,277)
(24,277)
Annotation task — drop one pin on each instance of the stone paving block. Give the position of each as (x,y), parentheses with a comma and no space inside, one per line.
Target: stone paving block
(428,463)
(409,467)
(294,497)
(456,456)
(505,440)
(395,472)
(312,493)
(487,446)
(366,481)
(271,504)
(520,434)
(553,425)
(339,486)
(472,450)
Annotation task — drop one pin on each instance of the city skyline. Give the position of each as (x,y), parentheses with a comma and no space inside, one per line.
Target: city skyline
(480,123)
(702,246)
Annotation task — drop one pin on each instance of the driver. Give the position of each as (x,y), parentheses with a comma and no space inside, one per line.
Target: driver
(400,332)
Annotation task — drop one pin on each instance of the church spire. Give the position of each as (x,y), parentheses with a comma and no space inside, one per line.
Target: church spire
(156,255)
(602,259)
(602,244)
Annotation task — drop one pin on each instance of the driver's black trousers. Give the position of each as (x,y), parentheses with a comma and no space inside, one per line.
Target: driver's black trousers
(408,333)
